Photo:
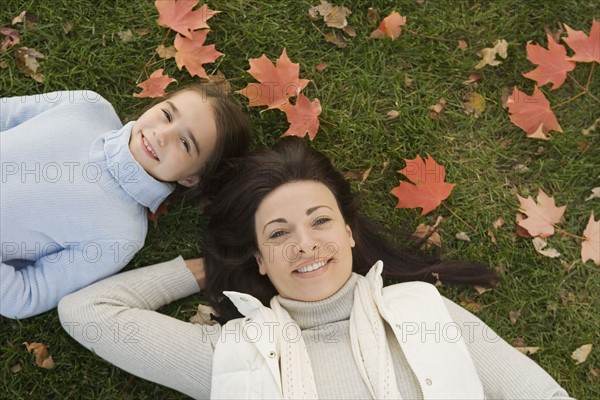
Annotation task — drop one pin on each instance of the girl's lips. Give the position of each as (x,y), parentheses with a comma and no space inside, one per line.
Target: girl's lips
(148,152)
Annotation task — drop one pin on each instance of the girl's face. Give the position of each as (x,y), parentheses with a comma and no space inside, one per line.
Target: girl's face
(173,140)
(305,247)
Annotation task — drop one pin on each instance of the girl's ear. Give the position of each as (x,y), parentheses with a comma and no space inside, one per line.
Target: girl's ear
(261,266)
(190,181)
(350,238)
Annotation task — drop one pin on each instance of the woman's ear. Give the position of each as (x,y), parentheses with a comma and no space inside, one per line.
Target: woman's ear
(350,238)
(261,266)
(190,181)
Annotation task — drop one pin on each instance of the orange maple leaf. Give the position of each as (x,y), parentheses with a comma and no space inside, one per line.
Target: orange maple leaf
(178,15)
(553,63)
(391,26)
(277,84)
(532,113)
(586,48)
(160,211)
(192,54)
(42,357)
(429,189)
(541,216)
(155,85)
(590,248)
(303,117)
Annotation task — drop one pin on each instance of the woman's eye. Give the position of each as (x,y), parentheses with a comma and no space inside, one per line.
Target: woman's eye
(167,115)
(276,234)
(322,220)
(186,144)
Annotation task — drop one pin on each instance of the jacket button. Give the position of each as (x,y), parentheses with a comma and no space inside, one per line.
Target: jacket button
(429,382)
(247,320)
(272,354)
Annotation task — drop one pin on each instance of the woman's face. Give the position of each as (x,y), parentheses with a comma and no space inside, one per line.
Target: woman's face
(305,247)
(173,140)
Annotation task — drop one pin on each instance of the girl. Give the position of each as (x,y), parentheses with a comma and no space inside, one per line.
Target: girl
(77,184)
(284,233)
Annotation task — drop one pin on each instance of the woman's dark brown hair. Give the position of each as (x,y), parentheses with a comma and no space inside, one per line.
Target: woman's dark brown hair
(230,239)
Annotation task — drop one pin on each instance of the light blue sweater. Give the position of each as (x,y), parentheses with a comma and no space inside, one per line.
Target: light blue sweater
(73,199)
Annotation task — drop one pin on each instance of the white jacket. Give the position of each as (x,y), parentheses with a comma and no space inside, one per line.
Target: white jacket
(246,360)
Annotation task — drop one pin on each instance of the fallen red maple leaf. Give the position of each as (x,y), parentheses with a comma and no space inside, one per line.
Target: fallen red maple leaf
(586,48)
(553,63)
(192,54)
(532,113)
(541,216)
(155,85)
(303,117)
(178,15)
(429,189)
(160,211)
(391,26)
(590,248)
(277,84)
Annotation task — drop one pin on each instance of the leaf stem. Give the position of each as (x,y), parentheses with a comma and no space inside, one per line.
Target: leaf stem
(569,100)
(585,88)
(327,122)
(567,233)
(462,220)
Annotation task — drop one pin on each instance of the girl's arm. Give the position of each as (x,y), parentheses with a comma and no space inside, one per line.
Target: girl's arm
(115,318)
(19,109)
(504,372)
(34,288)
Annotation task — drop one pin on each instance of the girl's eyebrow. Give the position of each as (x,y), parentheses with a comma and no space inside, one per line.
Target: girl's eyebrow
(188,133)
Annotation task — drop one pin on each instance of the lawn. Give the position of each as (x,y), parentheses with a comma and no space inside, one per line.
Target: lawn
(488,158)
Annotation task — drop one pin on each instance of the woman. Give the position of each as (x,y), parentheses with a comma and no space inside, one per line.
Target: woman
(285,235)
(77,184)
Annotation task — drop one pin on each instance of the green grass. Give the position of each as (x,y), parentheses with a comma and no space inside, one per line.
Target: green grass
(361,84)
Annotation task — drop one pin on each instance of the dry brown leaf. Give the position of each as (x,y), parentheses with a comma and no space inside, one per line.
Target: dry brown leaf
(385,167)
(126,36)
(334,16)
(462,45)
(67,27)
(358,175)
(336,38)
(582,353)
(489,54)
(567,298)
(392,115)
(19,18)
(469,304)
(595,194)
(166,52)
(474,104)
(498,223)
(321,67)
(473,79)
(463,236)
(373,15)
(3,65)
(513,316)
(221,81)
(42,358)
(481,290)
(540,246)
(15,368)
(350,31)
(203,316)
(437,109)
(518,342)
(492,236)
(592,128)
(506,92)
(595,375)
(28,64)
(429,232)
(527,350)
(142,31)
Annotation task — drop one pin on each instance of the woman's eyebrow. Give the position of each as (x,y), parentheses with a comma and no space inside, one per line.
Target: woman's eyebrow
(280,220)
(312,209)
(188,133)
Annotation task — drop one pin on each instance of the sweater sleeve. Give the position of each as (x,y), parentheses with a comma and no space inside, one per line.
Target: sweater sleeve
(115,318)
(19,109)
(36,288)
(504,372)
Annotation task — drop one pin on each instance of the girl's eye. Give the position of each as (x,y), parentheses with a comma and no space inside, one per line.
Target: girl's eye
(322,220)
(186,144)
(276,234)
(167,115)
